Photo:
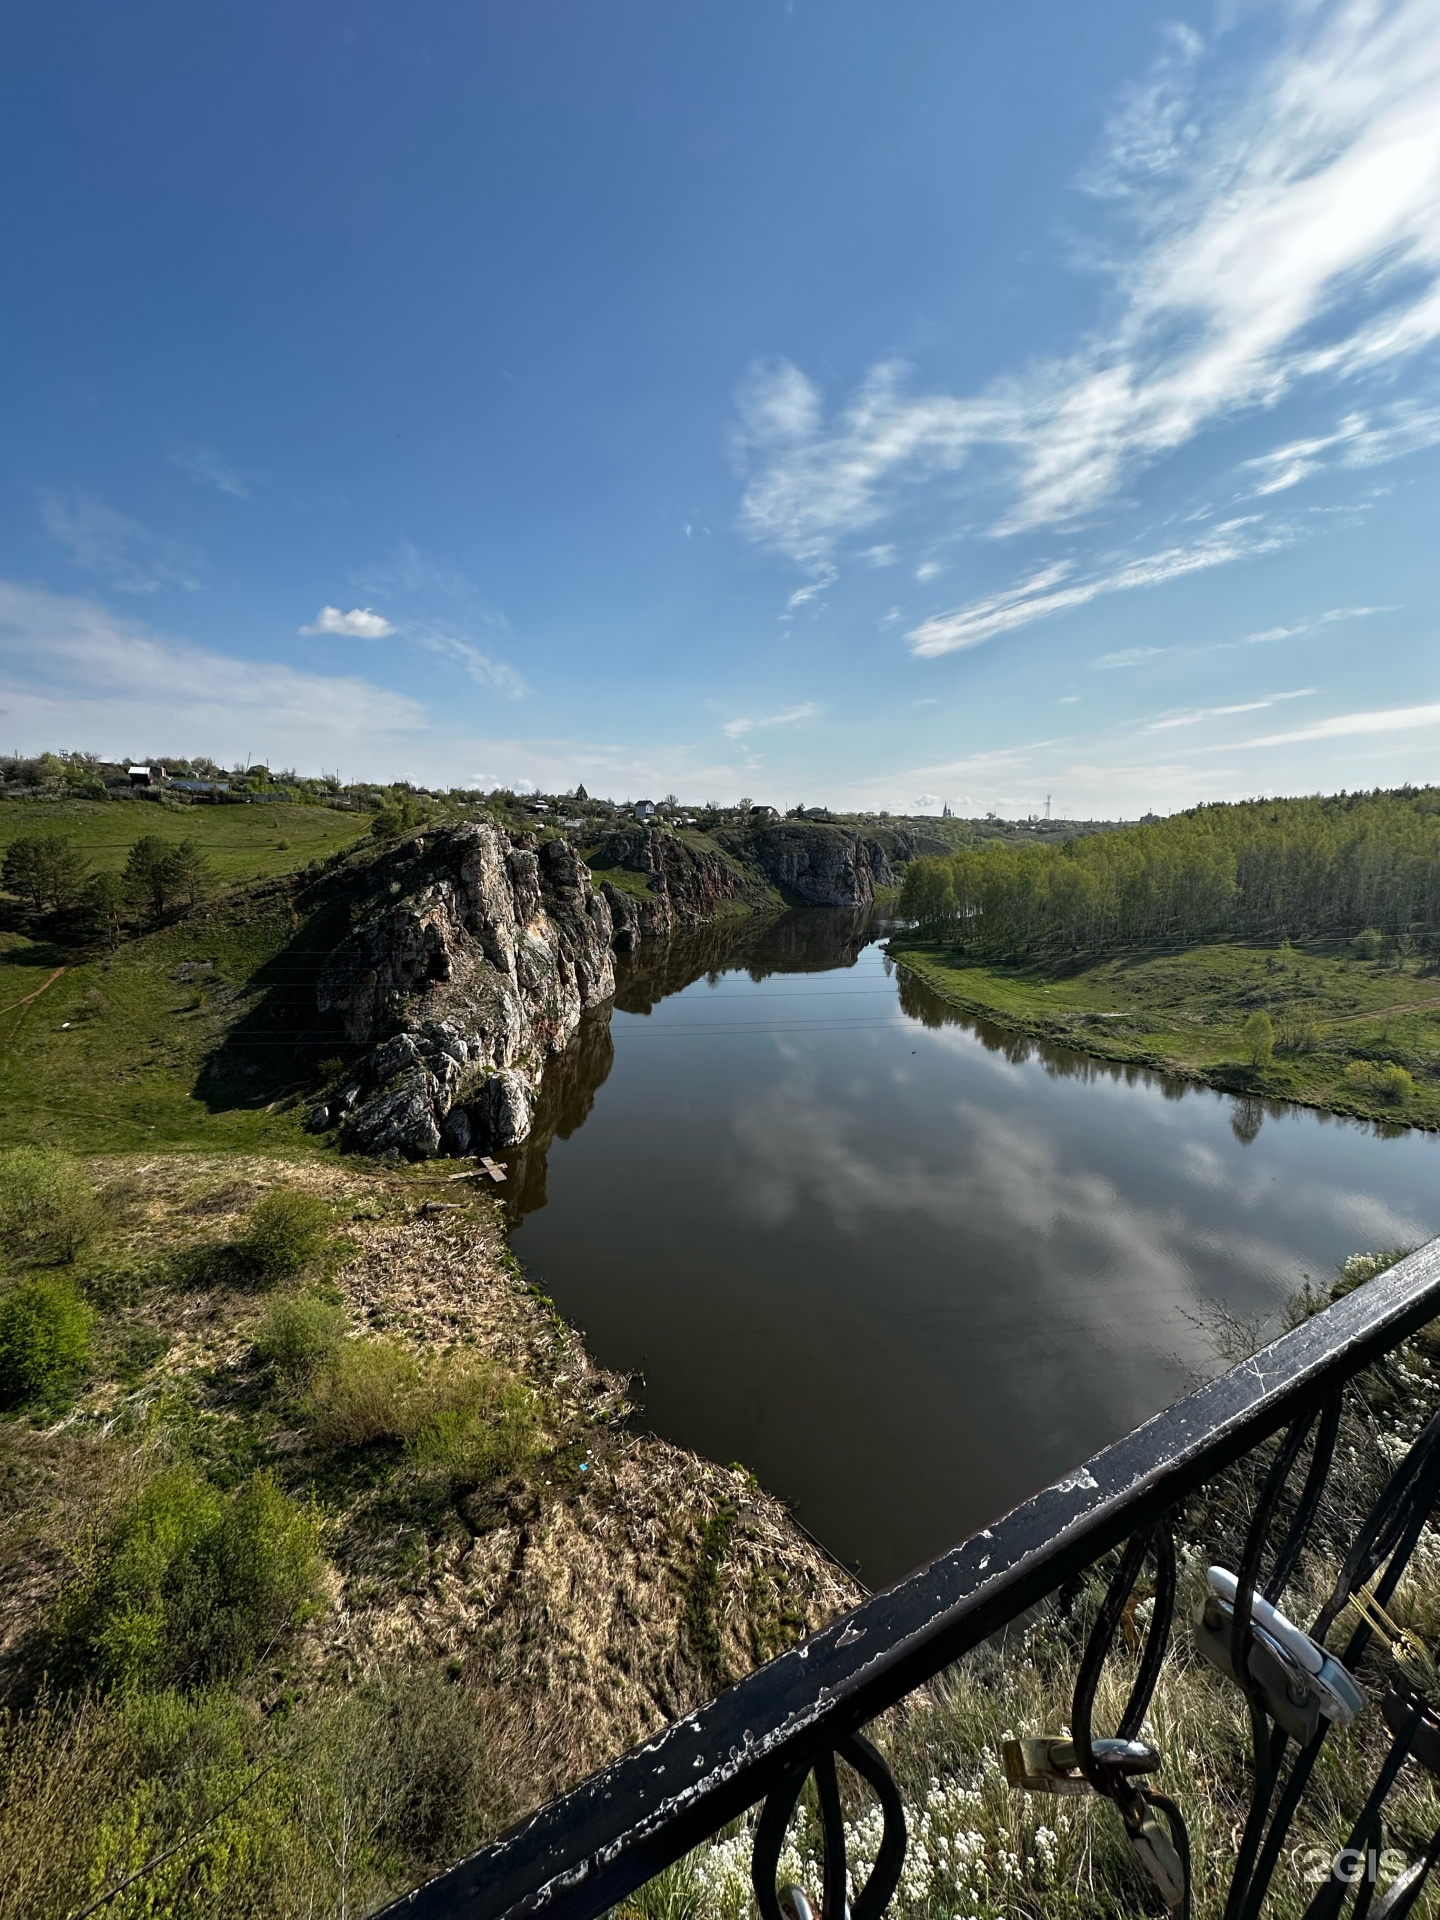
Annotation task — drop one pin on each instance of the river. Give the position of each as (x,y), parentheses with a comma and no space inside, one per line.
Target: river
(906,1267)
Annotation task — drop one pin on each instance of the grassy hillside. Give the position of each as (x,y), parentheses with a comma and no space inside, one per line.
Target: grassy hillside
(185,1036)
(242,843)
(1186,1011)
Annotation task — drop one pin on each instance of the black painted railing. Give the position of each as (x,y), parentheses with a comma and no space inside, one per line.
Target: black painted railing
(763,1739)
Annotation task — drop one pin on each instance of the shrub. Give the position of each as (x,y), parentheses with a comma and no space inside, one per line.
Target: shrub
(1259,1038)
(296,1335)
(459,1411)
(48,1210)
(1368,944)
(1297,1032)
(366,1393)
(288,1232)
(1361,1267)
(498,1432)
(44,1340)
(327,1810)
(191,1585)
(1388,1081)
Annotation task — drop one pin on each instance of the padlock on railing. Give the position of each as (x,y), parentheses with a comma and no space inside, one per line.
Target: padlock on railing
(1152,1834)
(1298,1680)
(1050,1764)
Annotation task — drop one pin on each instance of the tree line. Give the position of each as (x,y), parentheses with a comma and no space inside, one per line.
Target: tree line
(52,874)
(1287,869)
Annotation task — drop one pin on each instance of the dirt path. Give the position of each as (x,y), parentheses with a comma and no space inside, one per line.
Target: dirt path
(25,999)
(1384,1013)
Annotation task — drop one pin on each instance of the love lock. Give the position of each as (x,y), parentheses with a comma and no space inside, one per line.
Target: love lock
(1298,1680)
(1149,1833)
(1051,1764)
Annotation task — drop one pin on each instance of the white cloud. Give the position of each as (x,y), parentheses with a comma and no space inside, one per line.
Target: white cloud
(789,717)
(485,669)
(1042,593)
(1342,725)
(73,674)
(884,556)
(1281,228)
(70,671)
(212,469)
(1128,656)
(101,541)
(1358,441)
(1197,714)
(361,623)
(824,576)
(440,599)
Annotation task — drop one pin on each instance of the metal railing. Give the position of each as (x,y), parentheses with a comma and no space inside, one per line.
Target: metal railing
(763,1738)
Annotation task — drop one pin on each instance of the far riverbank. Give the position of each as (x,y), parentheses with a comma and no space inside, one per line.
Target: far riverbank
(1340,1023)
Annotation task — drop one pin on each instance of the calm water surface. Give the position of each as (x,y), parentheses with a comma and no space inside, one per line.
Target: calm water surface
(904,1267)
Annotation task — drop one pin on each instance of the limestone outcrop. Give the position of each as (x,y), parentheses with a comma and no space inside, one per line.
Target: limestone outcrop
(817,865)
(682,885)
(469,960)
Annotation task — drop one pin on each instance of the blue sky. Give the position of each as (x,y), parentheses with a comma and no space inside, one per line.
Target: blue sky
(871,404)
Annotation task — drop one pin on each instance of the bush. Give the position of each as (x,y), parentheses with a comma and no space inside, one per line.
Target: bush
(1368,944)
(296,1335)
(366,1393)
(191,1585)
(48,1210)
(458,1412)
(44,1340)
(497,1433)
(331,1809)
(1297,1033)
(1388,1081)
(288,1232)
(1259,1038)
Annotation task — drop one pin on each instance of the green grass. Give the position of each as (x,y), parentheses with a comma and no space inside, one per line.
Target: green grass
(242,842)
(1184,1011)
(184,1038)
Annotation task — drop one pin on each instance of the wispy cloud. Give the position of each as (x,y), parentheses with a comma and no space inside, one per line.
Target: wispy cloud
(360,623)
(1128,657)
(212,469)
(485,669)
(1341,725)
(1044,593)
(1359,440)
(70,670)
(443,610)
(1278,230)
(789,717)
(117,550)
(1196,715)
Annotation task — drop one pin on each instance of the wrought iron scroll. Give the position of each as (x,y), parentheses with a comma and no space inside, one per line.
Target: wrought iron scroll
(875,1896)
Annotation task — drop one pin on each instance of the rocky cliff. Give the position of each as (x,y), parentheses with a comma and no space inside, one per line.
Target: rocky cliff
(815,864)
(469,960)
(682,883)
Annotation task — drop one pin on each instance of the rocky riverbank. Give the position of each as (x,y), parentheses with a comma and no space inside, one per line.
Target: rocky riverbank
(468,957)
(477,1634)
